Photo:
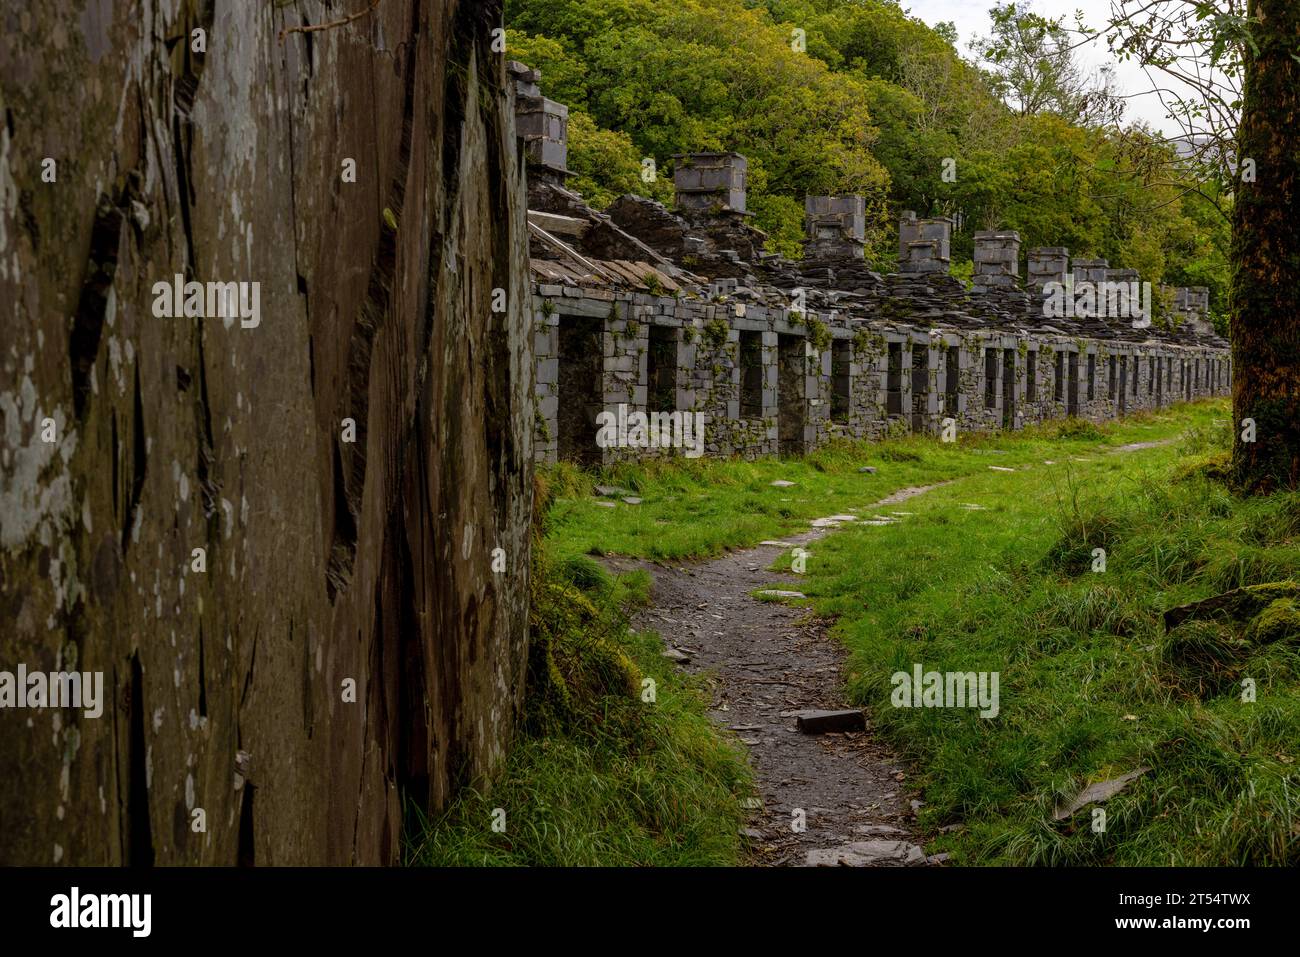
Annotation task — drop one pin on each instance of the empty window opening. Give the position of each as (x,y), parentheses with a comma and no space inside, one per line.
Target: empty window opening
(1031,376)
(1110,389)
(581,357)
(1092,377)
(841,379)
(990,378)
(1059,385)
(894,380)
(791,400)
(661,370)
(1008,388)
(952,380)
(751,374)
(1072,399)
(920,387)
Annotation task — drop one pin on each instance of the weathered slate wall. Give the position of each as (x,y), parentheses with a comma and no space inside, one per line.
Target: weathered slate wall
(326,560)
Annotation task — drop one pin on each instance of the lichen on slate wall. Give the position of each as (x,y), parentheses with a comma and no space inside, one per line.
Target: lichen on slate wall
(222,156)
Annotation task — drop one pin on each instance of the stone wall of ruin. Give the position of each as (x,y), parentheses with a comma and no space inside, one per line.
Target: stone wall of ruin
(708,372)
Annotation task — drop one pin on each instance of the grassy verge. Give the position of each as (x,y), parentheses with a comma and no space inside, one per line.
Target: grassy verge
(1091,686)
(617,762)
(697,508)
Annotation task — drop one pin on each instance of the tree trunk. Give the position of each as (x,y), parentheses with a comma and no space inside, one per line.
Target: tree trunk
(347,465)
(1265,326)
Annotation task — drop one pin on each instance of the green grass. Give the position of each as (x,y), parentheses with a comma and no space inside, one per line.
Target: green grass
(695,508)
(599,775)
(1090,685)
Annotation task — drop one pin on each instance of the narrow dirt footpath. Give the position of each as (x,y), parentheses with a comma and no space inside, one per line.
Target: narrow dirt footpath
(768,662)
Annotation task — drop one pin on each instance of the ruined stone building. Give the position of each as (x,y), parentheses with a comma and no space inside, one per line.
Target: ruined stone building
(681,310)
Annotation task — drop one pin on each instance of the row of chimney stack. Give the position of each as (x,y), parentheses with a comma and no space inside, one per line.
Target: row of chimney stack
(716,183)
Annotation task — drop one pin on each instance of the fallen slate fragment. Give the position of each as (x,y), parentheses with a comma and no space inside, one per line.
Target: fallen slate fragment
(672,654)
(878,830)
(781,593)
(1001,468)
(607,504)
(865,854)
(611,491)
(632,500)
(772,541)
(867,470)
(1096,793)
(820,722)
(753,833)
(782,483)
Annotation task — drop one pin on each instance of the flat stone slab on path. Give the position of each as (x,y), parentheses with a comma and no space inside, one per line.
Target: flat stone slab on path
(866,854)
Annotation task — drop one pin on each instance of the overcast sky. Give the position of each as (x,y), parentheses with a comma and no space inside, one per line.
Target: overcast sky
(972,19)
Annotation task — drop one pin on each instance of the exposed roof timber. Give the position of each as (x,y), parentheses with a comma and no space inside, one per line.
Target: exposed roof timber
(555,223)
(569,252)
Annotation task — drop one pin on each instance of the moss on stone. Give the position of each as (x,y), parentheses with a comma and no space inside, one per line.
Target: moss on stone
(715,332)
(1216,467)
(1279,621)
(819,335)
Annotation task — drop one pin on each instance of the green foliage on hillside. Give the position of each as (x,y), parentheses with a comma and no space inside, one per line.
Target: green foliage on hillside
(873,104)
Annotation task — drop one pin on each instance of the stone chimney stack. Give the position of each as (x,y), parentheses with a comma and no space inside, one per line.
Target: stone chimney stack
(923,244)
(710,182)
(997,259)
(1090,270)
(542,125)
(837,226)
(1193,305)
(1047,264)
